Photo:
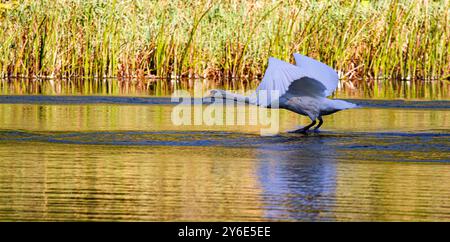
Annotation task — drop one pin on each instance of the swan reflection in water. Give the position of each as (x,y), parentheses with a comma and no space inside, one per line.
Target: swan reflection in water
(298,179)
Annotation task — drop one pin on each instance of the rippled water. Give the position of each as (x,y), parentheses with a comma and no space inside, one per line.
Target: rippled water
(111,158)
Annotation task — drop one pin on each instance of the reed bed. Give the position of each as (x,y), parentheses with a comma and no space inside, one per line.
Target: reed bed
(226,40)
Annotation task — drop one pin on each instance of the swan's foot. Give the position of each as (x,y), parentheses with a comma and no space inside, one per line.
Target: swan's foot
(299,131)
(316,129)
(304,129)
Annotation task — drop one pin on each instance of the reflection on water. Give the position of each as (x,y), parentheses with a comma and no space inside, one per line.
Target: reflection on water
(105,117)
(41,181)
(128,162)
(386,89)
(300,178)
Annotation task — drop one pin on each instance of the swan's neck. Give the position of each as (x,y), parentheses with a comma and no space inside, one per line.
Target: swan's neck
(337,105)
(232,96)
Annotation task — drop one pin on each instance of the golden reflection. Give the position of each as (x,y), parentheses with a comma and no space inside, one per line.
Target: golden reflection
(392,191)
(355,170)
(428,90)
(104,117)
(42,181)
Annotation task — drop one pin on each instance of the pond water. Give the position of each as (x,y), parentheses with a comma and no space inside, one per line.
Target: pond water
(88,158)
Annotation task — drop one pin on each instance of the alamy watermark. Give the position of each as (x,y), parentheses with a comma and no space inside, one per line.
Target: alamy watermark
(225,108)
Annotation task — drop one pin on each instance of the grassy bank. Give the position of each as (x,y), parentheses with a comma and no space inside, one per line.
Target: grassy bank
(222,39)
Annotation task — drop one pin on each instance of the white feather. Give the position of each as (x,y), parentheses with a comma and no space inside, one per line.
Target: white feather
(302,88)
(287,80)
(318,71)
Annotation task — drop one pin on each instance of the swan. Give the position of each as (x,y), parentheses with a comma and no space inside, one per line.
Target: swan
(302,88)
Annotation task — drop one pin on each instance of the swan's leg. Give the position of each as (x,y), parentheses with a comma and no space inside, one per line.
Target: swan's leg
(304,129)
(316,129)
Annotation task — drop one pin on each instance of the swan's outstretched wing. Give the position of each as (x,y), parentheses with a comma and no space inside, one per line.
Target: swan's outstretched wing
(282,78)
(319,71)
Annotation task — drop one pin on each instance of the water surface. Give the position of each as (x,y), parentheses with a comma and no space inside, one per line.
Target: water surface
(121,158)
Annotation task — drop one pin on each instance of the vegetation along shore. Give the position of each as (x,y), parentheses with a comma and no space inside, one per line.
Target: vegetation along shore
(224,40)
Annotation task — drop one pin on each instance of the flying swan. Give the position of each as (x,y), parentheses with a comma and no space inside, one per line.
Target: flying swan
(302,88)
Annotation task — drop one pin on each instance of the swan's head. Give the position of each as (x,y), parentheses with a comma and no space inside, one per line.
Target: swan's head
(211,94)
(214,93)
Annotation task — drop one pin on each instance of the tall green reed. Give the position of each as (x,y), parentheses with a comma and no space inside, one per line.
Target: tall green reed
(368,42)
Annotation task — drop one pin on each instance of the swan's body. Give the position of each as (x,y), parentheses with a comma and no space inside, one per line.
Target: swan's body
(302,88)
